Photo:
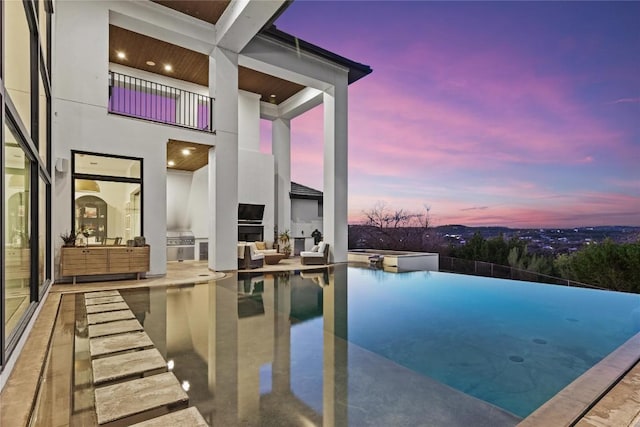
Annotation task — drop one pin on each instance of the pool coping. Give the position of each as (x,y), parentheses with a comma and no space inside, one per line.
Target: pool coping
(572,402)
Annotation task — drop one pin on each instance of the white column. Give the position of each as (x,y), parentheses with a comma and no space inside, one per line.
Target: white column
(281,149)
(223,161)
(335,171)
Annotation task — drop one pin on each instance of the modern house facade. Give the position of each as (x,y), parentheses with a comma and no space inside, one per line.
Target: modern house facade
(125,119)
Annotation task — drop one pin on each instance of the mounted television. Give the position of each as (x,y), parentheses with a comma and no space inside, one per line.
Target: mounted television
(250,213)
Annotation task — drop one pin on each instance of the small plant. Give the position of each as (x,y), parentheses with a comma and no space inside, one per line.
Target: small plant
(68,238)
(285,237)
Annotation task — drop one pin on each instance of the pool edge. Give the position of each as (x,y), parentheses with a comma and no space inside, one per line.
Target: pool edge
(576,399)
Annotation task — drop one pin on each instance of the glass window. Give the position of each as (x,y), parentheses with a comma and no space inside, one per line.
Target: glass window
(17,77)
(92,164)
(107,210)
(43,122)
(17,268)
(42,24)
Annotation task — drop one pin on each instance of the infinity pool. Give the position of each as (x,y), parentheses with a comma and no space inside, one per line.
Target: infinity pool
(513,344)
(361,347)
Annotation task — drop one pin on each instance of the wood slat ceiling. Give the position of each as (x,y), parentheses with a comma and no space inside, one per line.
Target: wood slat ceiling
(190,66)
(197,158)
(205,10)
(266,85)
(187,65)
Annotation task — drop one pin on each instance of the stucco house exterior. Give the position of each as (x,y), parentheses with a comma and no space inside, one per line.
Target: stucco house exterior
(124,119)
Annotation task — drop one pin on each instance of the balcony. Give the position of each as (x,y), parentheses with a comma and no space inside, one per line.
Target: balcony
(143,99)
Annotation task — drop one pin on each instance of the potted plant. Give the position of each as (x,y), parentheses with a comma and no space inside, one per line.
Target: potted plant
(68,238)
(285,237)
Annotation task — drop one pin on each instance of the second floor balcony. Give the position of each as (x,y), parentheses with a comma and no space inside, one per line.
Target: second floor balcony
(147,100)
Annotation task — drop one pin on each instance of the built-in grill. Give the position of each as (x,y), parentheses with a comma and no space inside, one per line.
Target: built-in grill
(180,245)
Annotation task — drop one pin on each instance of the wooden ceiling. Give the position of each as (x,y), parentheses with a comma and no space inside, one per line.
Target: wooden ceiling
(197,158)
(188,65)
(205,10)
(138,49)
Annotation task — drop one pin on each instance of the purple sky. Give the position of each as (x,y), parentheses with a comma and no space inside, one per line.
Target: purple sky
(522,114)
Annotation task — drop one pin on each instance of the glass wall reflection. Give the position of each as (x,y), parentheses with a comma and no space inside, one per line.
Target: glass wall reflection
(17,268)
(254,348)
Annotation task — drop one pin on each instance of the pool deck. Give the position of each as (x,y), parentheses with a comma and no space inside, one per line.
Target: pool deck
(597,399)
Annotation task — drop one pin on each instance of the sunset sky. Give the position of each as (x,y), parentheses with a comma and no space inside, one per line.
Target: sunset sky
(522,114)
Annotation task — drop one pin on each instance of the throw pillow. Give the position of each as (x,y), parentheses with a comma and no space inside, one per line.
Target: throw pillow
(261,246)
(315,248)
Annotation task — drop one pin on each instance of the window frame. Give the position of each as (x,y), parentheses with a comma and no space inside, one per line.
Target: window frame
(109,178)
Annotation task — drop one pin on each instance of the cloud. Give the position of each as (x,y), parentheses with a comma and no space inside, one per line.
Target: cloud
(476,208)
(625,101)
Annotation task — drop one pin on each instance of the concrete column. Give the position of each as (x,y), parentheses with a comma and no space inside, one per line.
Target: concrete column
(248,121)
(281,149)
(223,161)
(336,171)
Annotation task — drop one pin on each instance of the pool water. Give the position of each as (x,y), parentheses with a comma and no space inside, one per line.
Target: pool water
(362,347)
(512,344)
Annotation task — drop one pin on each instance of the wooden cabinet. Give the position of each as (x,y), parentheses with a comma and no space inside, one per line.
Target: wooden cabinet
(103,260)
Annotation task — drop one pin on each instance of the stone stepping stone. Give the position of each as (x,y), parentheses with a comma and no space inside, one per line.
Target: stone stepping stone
(126,365)
(100,308)
(109,316)
(99,294)
(103,300)
(189,417)
(113,328)
(123,400)
(117,343)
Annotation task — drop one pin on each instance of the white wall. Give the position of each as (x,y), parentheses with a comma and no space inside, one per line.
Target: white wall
(248,120)
(81,121)
(305,219)
(256,185)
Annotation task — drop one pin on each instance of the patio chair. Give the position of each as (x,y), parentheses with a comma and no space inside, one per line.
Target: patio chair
(317,257)
(248,258)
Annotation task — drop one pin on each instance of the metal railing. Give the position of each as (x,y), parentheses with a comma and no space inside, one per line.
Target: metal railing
(143,99)
(480,268)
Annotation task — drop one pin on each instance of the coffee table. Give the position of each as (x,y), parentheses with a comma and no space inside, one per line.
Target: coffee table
(272,259)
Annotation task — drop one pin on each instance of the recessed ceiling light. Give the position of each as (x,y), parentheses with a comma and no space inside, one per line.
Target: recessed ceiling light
(121,55)
(151,63)
(186,151)
(168,67)
(171,163)
(273,95)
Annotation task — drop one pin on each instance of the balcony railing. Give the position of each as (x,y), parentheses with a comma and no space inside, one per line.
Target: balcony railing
(143,99)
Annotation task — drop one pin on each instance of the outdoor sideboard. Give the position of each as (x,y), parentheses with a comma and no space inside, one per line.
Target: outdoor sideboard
(100,260)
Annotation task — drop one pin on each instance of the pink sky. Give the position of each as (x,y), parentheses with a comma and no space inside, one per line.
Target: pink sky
(514,114)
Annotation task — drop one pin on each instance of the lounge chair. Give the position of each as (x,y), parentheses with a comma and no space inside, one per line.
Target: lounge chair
(318,257)
(248,258)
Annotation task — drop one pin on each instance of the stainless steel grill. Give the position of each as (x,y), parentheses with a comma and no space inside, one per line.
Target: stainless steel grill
(180,245)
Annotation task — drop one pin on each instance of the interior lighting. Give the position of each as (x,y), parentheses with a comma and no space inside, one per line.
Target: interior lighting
(186,151)
(87,186)
(121,55)
(273,95)
(171,163)
(151,63)
(168,67)
(170,364)
(185,385)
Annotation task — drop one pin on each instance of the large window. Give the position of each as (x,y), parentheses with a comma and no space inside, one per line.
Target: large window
(17,79)
(25,265)
(107,198)
(17,228)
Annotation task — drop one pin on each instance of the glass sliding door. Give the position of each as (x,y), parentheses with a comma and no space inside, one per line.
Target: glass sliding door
(17,214)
